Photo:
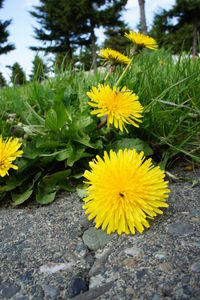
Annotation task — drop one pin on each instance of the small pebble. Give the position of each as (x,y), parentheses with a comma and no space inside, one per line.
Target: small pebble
(160,255)
(134,251)
(96,238)
(196,267)
(51,291)
(22,298)
(96,269)
(10,290)
(180,228)
(77,286)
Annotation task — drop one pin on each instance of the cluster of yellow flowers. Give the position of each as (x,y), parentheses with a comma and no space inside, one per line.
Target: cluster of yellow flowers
(123,189)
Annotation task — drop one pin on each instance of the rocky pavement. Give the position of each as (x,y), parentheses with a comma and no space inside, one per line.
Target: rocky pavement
(54,252)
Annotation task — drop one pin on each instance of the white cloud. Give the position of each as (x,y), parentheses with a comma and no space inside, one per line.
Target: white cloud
(30,3)
(132,4)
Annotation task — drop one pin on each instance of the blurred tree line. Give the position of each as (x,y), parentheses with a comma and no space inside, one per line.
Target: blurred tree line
(178,28)
(65,26)
(66,29)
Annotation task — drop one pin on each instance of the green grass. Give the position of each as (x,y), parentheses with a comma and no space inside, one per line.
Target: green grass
(60,136)
(169,92)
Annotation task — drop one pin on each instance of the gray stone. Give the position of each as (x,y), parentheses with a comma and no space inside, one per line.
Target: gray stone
(82,249)
(180,228)
(89,259)
(22,298)
(96,238)
(134,251)
(9,290)
(51,268)
(96,281)
(96,269)
(95,292)
(140,274)
(195,267)
(50,252)
(160,255)
(84,222)
(27,276)
(51,291)
(165,267)
(77,286)
(156,297)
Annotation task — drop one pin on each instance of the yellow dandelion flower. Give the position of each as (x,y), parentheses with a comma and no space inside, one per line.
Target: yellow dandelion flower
(120,107)
(114,57)
(8,153)
(142,41)
(124,190)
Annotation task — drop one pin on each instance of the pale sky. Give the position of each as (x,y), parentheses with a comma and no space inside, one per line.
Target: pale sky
(21,29)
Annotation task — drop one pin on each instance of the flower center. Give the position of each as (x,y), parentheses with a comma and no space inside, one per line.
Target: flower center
(2,163)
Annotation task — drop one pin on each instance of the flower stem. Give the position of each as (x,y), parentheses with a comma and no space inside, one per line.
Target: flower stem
(124,72)
(107,75)
(102,124)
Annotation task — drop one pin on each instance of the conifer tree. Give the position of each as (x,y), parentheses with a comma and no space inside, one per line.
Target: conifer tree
(18,76)
(60,27)
(99,14)
(39,70)
(4,34)
(115,38)
(85,58)
(2,80)
(179,26)
(66,25)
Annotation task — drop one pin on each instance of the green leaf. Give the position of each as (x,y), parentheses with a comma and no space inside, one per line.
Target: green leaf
(131,143)
(65,153)
(63,115)
(58,98)
(51,121)
(21,198)
(76,155)
(46,160)
(77,176)
(46,143)
(81,193)
(54,179)
(12,183)
(84,140)
(31,152)
(62,155)
(23,164)
(37,176)
(80,122)
(45,198)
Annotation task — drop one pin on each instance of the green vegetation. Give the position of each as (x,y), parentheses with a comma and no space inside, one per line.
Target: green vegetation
(18,76)
(39,70)
(2,80)
(60,137)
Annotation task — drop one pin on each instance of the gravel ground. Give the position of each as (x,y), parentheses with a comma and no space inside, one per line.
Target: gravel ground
(53,252)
